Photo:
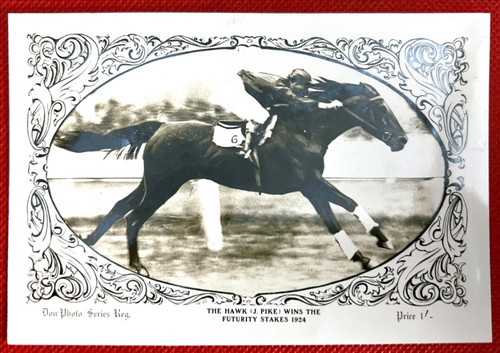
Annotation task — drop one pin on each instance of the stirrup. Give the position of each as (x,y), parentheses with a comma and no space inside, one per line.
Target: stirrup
(245,154)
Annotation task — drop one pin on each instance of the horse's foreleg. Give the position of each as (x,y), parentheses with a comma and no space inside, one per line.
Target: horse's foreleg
(335,196)
(372,227)
(323,209)
(119,210)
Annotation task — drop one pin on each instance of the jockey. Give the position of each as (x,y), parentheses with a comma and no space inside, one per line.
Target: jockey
(272,92)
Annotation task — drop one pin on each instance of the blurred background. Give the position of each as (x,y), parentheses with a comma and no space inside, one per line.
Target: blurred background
(271,243)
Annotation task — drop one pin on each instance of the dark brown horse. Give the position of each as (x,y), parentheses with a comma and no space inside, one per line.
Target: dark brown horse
(292,160)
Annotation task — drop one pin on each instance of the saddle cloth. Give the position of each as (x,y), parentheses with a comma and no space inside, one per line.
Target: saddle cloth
(229,133)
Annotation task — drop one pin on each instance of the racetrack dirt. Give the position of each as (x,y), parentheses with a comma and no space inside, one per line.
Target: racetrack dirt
(271,243)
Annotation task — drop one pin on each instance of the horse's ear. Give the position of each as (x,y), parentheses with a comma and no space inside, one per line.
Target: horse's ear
(319,83)
(321,79)
(369,88)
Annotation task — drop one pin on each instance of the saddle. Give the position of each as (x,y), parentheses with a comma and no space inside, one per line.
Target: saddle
(231,134)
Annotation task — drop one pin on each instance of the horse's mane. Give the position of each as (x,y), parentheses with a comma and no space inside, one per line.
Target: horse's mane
(325,90)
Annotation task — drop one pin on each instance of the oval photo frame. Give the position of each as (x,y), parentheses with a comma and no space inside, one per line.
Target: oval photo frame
(98,277)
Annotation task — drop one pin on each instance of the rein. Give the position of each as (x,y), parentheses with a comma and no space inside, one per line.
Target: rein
(355,99)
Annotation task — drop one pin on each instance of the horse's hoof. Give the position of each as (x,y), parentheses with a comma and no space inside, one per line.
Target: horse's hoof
(377,233)
(385,244)
(88,241)
(366,263)
(382,242)
(370,265)
(140,269)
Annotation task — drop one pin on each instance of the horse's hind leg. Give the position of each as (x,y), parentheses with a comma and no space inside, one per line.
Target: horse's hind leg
(335,196)
(119,210)
(323,209)
(154,197)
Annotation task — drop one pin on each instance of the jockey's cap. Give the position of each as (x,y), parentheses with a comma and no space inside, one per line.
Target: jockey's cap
(300,76)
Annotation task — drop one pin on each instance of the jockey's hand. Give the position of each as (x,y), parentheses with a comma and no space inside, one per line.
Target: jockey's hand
(336,104)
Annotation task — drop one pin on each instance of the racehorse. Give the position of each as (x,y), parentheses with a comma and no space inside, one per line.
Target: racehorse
(292,160)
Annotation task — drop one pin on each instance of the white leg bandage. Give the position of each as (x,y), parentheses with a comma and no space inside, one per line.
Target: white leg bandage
(365,218)
(346,244)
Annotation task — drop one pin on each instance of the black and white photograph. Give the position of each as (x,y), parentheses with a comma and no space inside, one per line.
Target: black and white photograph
(243,178)
(279,169)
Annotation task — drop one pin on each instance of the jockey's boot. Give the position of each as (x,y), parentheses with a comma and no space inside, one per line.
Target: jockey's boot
(246,151)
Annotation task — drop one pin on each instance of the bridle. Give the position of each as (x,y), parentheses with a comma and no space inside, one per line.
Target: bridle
(355,99)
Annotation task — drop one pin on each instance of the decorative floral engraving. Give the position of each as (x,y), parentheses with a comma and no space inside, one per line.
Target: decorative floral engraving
(429,74)
(429,272)
(363,291)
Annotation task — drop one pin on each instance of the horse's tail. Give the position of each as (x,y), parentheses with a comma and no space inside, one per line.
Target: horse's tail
(115,140)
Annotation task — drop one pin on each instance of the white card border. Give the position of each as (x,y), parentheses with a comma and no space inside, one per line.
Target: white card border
(338,293)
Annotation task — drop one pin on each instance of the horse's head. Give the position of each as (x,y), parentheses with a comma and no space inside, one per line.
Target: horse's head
(375,117)
(365,108)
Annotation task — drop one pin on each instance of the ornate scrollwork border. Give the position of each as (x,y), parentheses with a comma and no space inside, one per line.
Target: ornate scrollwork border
(429,74)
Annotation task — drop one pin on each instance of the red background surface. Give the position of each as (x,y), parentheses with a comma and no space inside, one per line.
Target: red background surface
(493,7)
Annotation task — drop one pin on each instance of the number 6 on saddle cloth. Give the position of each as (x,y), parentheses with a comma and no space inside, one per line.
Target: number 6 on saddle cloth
(231,134)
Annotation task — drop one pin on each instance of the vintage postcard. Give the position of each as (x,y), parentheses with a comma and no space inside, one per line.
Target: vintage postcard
(199,179)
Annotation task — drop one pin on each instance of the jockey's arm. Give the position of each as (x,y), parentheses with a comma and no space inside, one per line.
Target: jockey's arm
(285,96)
